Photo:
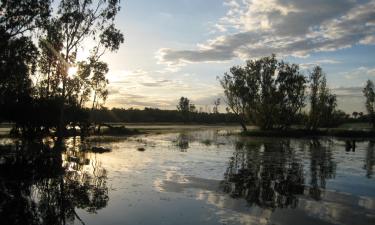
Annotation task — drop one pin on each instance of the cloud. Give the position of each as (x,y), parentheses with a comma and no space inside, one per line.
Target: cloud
(140,88)
(350,98)
(318,62)
(360,72)
(352,92)
(255,28)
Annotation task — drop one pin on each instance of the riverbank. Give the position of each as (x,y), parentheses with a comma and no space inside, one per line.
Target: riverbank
(303,133)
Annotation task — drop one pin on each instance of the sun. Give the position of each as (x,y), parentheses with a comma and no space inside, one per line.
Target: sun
(72,71)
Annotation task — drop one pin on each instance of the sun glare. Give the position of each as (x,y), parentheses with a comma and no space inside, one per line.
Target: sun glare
(72,71)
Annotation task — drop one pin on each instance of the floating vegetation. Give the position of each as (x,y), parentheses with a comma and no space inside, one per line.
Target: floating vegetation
(100,149)
(207,142)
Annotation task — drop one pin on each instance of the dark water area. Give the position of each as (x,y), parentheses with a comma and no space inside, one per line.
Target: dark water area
(202,176)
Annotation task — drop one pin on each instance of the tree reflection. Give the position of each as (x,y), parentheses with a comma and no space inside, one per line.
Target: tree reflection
(264,174)
(182,141)
(322,167)
(44,185)
(270,175)
(370,159)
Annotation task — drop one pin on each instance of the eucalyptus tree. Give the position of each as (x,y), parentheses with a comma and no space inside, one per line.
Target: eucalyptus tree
(265,92)
(322,102)
(185,107)
(18,53)
(236,94)
(369,94)
(49,62)
(78,23)
(216,105)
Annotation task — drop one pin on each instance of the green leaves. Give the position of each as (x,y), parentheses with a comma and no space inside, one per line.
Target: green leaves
(322,102)
(369,94)
(111,38)
(265,92)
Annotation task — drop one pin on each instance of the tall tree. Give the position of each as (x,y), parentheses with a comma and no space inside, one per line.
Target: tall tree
(322,102)
(236,94)
(18,54)
(265,92)
(79,22)
(369,94)
(216,105)
(355,114)
(185,107)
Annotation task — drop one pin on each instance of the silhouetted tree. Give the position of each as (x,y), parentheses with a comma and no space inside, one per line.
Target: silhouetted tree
(265,92)
(185,107)
(80,21)
(235,95)
(216,106)
(369,94)
(355,114)
(61,35)
(18,54)
(322,102)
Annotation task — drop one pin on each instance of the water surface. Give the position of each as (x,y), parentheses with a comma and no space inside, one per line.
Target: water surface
(194,176)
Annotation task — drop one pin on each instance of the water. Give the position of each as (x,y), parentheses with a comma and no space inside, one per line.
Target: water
(200,176)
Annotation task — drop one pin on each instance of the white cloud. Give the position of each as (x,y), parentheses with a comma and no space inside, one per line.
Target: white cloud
(319,63)
(140,88)
(256,28)
(360,72)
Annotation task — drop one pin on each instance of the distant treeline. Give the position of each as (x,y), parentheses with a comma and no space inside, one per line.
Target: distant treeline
(153,115)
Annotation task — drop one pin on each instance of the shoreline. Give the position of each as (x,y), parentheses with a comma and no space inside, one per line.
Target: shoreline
(302,133)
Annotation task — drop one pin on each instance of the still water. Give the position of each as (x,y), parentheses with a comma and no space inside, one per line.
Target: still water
(200,176)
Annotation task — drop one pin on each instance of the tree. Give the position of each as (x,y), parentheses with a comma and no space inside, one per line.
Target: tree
(76,22)
(322,102)
(185,107)
(369,94)
(232,84)
(355,114)
(265,92)
(18,53)
(216,106)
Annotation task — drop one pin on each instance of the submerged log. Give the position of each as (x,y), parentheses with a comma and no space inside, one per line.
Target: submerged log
(100,149)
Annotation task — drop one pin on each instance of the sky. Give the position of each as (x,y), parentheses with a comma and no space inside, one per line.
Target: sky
(177,48)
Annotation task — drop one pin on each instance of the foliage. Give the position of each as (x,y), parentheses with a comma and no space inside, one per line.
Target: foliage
(216,105)
(150,115)
(185,107)
(60,177)
(322,102)
(17,51)
(265,92)
(60,33)
(369,94)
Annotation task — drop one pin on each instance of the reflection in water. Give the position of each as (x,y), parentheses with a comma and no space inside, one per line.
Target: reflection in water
(275,174)
(322,167)
(44,185)
(264,174)
(266,181)
(182,141)
(370,159)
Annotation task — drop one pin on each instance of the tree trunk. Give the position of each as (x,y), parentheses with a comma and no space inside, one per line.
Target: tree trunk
(243,125)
